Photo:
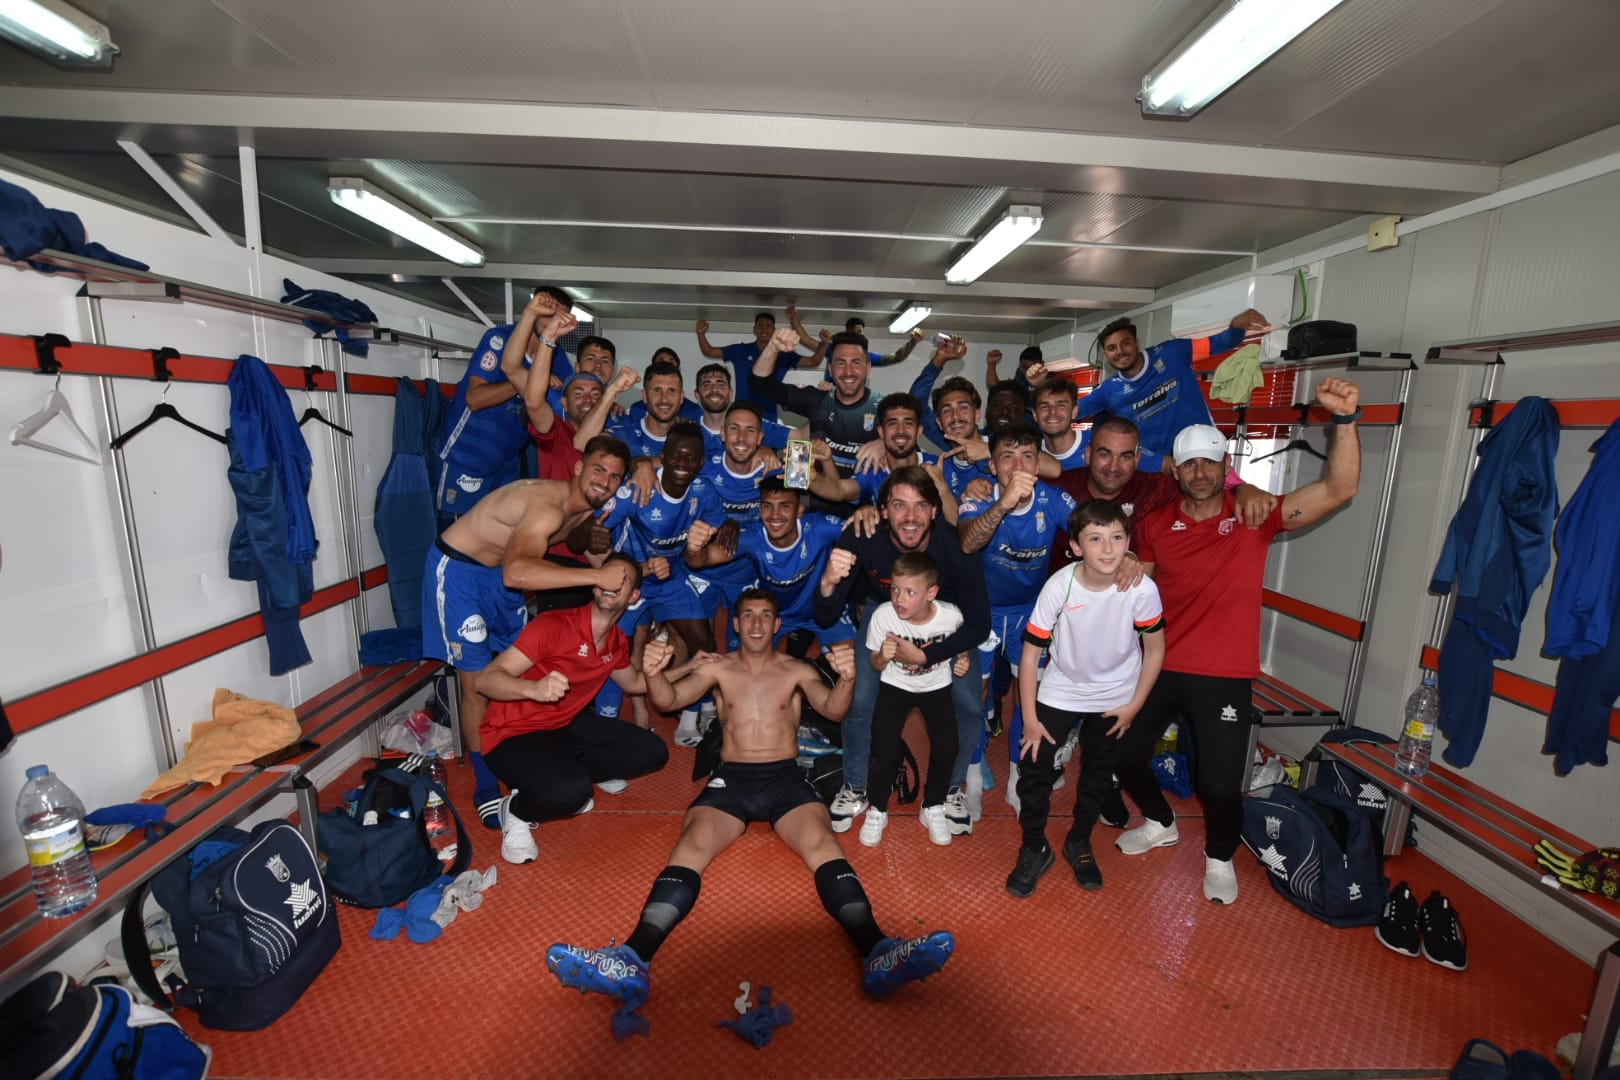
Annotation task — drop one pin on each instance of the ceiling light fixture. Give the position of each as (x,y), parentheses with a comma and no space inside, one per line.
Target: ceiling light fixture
(1228,45)
(1018,224)
(380,208)
(913,315)
(581,315)
(56,31)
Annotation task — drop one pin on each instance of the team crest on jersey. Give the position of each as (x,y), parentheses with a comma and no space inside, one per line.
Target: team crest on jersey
(1226,526)
(691,505)
(489,361)
(869,421)
(1040,521)
(1127,509)
(1158,365)
(497,342)
(1180,526)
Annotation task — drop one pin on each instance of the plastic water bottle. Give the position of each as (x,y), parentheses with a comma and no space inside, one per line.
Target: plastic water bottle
(51,818)
(434,769)
(1417,735)
(440,826)
(1169,741)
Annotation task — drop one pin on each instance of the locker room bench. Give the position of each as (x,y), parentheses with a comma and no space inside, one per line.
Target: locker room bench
(1501,831)
(334,717)
(1273,703)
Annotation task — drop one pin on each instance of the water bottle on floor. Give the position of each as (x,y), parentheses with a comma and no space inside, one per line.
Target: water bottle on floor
(1417,734)
(51,818)
(434,770)
(440,827)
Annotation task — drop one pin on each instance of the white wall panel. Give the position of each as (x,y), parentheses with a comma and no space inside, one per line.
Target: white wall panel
(1555,260)
(1370,290)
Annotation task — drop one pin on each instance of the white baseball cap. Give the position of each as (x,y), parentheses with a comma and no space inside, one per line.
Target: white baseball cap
(1200,441)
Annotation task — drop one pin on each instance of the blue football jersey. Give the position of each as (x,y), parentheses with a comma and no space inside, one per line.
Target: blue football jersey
(792,573)
(959,473)
(660,527)
(1016,559)
(642,443)
(774,434)
(872,483)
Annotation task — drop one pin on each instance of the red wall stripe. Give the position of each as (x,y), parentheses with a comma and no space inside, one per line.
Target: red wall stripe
(1332,621)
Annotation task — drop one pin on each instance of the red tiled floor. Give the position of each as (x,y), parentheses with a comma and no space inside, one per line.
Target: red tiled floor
(1142,978)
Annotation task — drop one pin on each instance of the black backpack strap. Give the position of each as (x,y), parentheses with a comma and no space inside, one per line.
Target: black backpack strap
(136,952)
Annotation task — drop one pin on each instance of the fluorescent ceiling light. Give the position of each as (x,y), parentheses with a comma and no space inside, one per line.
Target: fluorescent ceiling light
(1018,224)
(381,208)
(581,315)
(912,316)
(1234,41)
(58,32)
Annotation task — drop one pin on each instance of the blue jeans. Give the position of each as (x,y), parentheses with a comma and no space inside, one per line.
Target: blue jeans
(966,701)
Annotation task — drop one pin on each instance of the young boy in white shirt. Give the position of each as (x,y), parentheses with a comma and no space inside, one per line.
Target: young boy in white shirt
(911,619)
(1105,650)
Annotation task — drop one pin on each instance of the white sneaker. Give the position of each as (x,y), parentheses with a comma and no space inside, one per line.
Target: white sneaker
(517,835)
(586,807)
(846,806)
(706,718)
(939,829)
(1220,881)
(872,828)
(1065,753)
(1012,788)
(957,818)
(973,793)
(1147,836)
(686,732)
(613,787)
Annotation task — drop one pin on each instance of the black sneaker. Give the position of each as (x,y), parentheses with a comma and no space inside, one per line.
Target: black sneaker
(1443,939)
(1114,813)
(1399,927)
(1084,864)
(1031,865)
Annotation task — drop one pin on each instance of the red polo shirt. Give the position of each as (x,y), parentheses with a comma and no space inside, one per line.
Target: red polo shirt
(556,641)
(1210,575)
(557,460)
(1142,494)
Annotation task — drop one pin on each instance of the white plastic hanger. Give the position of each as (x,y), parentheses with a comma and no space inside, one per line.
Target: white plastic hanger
(56,405)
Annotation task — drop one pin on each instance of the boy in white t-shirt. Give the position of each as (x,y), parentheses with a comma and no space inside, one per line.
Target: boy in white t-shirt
(911,619)
(1105,648)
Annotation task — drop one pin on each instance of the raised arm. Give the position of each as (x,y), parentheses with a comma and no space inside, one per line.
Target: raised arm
(832,702)
(903,352)
(596,420)
(671,691)
(976,532)
(535,383)
(826,483)
(503,680)
(711,351)
(1341,476)
(526,566)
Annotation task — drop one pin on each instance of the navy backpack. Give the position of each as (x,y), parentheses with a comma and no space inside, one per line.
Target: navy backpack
(1372,798)
(1320,852)
(48,1029)
(253,922)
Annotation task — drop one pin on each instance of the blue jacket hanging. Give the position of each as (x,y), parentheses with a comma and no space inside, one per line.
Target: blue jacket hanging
(434,409)
(27,226)
(273,543)
(406,521)
(1497,552)
(340,307)
(1581,614)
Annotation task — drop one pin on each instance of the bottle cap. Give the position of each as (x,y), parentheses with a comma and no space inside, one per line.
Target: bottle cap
(36,771)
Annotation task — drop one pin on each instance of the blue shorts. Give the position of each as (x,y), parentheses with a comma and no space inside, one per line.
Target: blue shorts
(683,596)
(469,616)
(1006,634)
(842,630)
(729,580)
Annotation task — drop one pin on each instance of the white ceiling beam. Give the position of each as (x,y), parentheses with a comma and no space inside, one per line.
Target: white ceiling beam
(607,276)
(598,137)
(478,312)
(174,191)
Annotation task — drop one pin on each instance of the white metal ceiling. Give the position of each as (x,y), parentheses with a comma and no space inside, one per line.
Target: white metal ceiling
(916,119)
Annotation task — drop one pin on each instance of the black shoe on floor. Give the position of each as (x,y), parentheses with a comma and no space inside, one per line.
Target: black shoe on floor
(1084,863)
(1113,812)
(1443,939)
(1399,927)
(1031,865)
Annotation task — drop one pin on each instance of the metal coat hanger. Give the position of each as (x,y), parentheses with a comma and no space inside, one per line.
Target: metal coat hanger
(163,410)
(1296,443)
(56,405)
(312,413)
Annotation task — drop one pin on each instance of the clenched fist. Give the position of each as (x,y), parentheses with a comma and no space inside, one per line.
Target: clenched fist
(656,656)
(698,536)
(703,326)
(842,658)
(839,563)
(551,688)
(785,340)
(1339,396)
(1015,489)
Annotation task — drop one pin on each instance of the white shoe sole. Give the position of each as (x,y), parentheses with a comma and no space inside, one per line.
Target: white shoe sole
(1170,839)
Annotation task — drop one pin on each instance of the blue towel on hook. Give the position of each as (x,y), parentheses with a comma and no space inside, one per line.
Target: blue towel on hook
(338,306)
(28,226)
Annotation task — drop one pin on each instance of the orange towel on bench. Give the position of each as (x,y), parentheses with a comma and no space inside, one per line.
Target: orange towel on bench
(241,730)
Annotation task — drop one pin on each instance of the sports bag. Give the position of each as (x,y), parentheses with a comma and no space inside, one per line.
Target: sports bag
(93,1033)
(252,920)
(381,864)
(1322,337)
(1320,852)
(1372,798)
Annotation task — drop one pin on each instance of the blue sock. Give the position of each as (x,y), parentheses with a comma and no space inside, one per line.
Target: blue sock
(486,791)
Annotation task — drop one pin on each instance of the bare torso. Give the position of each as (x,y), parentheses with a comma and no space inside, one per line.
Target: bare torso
(759,706)
(531,514)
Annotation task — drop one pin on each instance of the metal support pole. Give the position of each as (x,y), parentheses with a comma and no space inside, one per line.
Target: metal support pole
(349,511)
(1375,564)
(1602,1018)
(1442,610)
(249,170)
(135,573)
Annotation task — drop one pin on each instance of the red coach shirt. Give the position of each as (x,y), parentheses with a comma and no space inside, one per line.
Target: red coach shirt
(1142,494)
(1210,575)
(558,457)
(556,641)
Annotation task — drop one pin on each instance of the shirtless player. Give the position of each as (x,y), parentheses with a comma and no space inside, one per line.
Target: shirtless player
(479,568)
(758,692)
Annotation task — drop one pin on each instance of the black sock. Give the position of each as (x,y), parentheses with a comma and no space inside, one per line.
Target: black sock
(674,892)
(841,894)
